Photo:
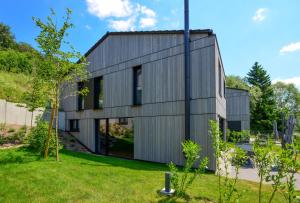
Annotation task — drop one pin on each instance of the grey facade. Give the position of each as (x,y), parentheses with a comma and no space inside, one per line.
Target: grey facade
(238,109)
(159,120)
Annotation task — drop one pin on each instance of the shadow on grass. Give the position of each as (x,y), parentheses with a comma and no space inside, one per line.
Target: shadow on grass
(19,155)
(100,160)
(184,198)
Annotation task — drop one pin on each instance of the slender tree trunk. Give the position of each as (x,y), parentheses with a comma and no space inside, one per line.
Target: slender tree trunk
(49,132)
(273,194)
(31,119)
(260,186)
(56,125)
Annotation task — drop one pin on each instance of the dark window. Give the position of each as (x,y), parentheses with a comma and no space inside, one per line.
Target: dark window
(74,125)
(137,85)
(123,121)
(222,127)
(98,93)
(235,126)
(224,86)
(220,80)
(80,101)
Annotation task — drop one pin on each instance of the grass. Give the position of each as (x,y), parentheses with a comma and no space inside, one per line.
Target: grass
(13,85)
(87,178)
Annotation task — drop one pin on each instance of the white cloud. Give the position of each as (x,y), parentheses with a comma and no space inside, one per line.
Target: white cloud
(294,80)
(88,27)
(260,15)
(109,8)
(123,25)
(123,15)
(147,22)
(147,11)
(290,48)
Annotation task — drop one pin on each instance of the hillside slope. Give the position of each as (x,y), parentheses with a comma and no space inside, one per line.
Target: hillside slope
(13,85)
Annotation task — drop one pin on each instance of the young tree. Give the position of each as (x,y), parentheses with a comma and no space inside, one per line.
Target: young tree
(263,160)
(35,97)
(263,113)
(58,70)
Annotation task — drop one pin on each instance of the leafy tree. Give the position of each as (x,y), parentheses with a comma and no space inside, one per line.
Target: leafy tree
(263,112)
(58,70)
(7,39)
(287,97)
(234,81)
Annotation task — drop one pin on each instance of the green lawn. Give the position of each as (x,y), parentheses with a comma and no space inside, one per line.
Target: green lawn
(24,177)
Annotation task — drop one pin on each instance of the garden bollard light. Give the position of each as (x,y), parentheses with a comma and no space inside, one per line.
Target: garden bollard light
(167,190)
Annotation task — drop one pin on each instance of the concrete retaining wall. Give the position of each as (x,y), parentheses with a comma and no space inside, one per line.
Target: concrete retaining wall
(17,114)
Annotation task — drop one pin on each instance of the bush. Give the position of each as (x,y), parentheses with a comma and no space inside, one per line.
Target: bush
(181,183)
(38,136)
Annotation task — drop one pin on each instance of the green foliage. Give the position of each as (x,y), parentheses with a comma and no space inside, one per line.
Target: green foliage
(233,81)
(182,182)
(292,166)
(226,154)
(238,136)
(13,86)
(35,97)
(38,136)
(287,98)
(263,110)
(263,160)
(17,62)
(59,69)
(7,39)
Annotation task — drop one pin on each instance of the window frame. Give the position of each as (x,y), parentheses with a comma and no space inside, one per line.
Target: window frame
(123,121)
(137,90)
(72,127)
(80,98)
(98,90)
(220,79)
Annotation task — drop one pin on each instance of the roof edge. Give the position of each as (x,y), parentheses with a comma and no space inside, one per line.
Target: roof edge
(197,31)
(235,88)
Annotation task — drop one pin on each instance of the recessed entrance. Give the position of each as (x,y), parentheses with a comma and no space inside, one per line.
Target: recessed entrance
(114,137)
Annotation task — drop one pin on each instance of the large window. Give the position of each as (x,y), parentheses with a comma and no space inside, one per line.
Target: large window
(80,105)
(137,85)
(235,126)
(220,80)
(74,125)
(98,93)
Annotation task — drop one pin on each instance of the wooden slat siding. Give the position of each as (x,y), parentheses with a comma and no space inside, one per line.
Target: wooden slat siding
(238,107)
(159,122)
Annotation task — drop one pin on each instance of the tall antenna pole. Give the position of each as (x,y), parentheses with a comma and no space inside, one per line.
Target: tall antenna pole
(187,68)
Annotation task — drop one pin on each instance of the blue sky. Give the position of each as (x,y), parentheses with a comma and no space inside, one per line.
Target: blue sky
(267,31)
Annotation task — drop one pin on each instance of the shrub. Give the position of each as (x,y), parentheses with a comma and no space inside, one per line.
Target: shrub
(38,136)
(11,130)
(227,154)
(181,183)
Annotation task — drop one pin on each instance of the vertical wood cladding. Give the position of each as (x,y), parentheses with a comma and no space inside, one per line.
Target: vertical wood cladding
(159,121)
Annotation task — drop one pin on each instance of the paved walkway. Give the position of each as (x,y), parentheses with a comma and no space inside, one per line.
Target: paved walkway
(251,175)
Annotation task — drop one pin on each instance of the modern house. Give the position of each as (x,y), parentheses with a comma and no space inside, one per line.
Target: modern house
(237,109)
(138,78)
